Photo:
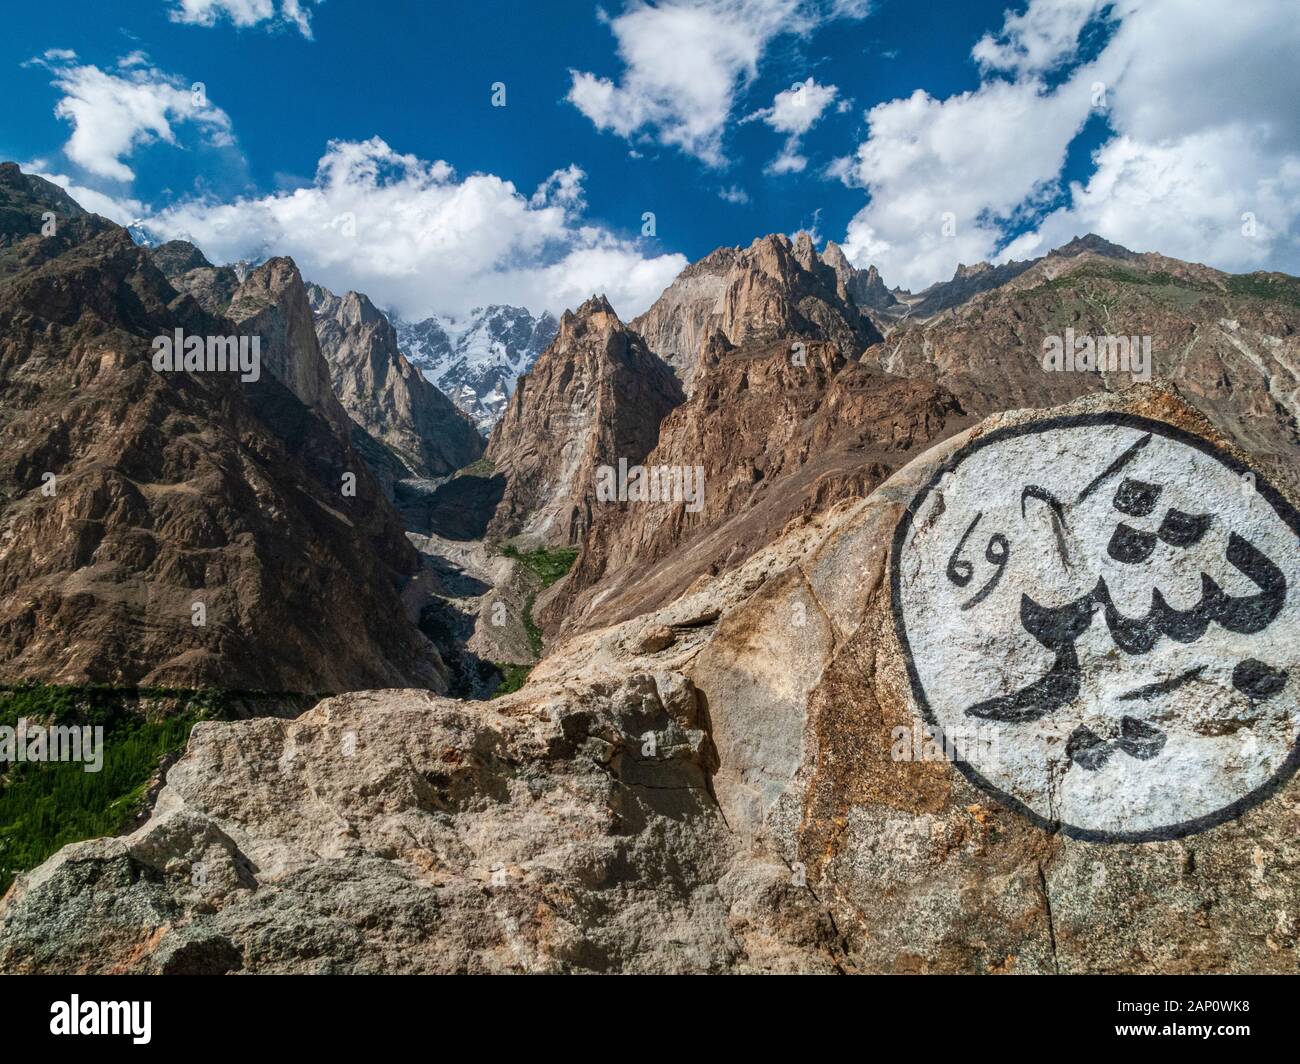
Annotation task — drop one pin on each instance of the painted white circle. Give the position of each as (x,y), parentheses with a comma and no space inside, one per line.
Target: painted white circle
(1101,619)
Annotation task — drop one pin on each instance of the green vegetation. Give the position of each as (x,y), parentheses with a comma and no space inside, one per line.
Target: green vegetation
(530,626)
(1273,286)
(549,565)
(480,467)
(513,678)
(46,805)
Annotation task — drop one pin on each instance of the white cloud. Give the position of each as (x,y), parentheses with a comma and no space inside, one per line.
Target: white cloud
(1194,143)
(947,176)
(563,188)
(734,194)
(684,62)
(416,236)
(1188,198)
(789,161)
(1197,144)
(794,111)
(243,13)
(112,114)
(1037,40)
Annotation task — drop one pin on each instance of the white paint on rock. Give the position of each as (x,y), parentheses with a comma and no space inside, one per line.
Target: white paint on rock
(1219,746)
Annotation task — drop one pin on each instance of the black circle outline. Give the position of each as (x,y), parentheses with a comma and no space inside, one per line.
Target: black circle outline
(1285,511)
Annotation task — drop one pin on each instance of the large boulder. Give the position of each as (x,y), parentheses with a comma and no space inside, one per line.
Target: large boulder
(1132,810)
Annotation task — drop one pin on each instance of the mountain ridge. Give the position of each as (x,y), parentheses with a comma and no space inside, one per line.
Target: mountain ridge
(183,528)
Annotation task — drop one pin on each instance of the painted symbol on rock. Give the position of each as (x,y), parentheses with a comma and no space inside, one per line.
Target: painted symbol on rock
(1099,591)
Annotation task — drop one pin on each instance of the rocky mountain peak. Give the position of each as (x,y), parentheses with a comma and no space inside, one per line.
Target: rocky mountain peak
(476,360)
(777,438)
(24,197)
(596,394)
(773,289)
(356,309)
(863,288)
(178,257)
(272,303)
(1097,244)
(406,427)
(183,488)
(188,270)
(594,313)
(805,252)
(834,257)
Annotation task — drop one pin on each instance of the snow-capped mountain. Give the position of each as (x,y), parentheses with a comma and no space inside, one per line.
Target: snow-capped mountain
(476,360)
(142,235)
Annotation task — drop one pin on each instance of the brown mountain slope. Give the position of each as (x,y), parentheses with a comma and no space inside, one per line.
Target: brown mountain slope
(1230,342)
(775,444)
(190,272)
(780,436)
(864,287)
(167,490)
(596,395)
(270,301)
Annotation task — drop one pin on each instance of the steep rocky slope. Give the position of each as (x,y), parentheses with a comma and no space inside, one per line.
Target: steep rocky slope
(272,303)
(190,272)
(384,394)
(596,395)
(780,435)
(269,300)
(183,528)
(742,780)
(769,290)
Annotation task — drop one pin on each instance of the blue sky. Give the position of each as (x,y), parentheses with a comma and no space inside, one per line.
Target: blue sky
(361,137)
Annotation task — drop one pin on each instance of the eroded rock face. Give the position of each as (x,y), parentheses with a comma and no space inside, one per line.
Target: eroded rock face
(272,303)
(753,295)
(190,273)
(1229,342)
(780,423)
(384,394)
(548,832)
(128,495)
(864,287)
(780,431)
(596,395)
